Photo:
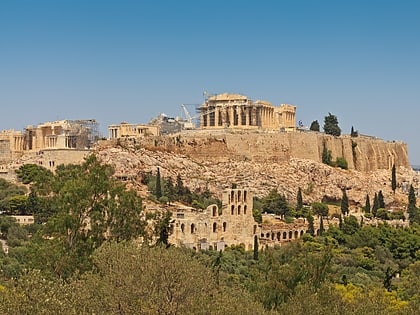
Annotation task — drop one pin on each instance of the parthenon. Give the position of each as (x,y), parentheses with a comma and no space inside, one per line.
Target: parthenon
(238,111)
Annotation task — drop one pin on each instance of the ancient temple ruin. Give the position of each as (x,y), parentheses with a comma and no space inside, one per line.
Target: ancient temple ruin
(63,134)
(126,130)
(240,112)
(49,144)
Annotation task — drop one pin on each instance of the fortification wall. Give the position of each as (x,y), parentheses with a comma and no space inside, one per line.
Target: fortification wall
(361,153)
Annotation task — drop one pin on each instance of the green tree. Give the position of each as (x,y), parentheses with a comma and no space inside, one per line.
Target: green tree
(375,206)
(17,205)
(311,228)
(326,155)
(11,196)
(344,203)
(299,200)
(381,201)
(314,126)
(320,208)
(321,226)
(331,125)
(393,178)
(412,209)
(158,188)
(255,247)
(275,203)
(89,207)
(367,204)
(169,189)
(33,173)
(163,221)
(350,225)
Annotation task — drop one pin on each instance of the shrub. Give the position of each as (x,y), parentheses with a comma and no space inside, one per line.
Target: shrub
(341,163)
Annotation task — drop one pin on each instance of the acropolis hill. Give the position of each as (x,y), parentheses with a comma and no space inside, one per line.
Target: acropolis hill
(253,146)
(251,143)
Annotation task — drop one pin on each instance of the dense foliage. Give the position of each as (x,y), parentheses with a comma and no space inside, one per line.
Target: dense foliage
(84,257)
(331,125)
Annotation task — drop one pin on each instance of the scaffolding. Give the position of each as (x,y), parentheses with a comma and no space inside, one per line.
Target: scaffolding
(87,127)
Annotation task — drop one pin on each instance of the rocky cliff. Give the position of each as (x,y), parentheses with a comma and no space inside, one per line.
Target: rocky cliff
(362,153)
(260,162)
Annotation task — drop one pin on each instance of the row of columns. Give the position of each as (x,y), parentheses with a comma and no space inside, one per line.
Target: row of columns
(112,133)
(18,143)
(237,115)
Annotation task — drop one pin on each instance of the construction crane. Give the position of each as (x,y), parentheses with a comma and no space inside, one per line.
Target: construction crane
(189,120)
(188,124)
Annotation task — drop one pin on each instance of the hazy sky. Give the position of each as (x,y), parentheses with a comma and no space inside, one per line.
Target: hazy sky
(119,60)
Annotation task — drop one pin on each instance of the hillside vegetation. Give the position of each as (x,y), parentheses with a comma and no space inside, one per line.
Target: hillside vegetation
(95,249)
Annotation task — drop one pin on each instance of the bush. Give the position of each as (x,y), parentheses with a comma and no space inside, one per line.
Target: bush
(341,163)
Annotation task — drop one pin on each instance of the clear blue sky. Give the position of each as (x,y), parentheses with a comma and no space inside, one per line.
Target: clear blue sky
(129,61)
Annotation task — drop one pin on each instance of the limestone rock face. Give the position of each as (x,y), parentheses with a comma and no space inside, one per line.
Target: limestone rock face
(260,163)
(362,153)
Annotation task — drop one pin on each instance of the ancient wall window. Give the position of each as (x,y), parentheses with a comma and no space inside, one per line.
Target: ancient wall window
(232,209)
(239,195)
(284,235)
(278,236)
(182,227)
(272,236)
(239,209)
(244,209)
(244,195)
(296,234)
(214,211)
(267,235)
(224,226)
(232,196)
(214,227)
(290,234)
(301,233)
(192,228)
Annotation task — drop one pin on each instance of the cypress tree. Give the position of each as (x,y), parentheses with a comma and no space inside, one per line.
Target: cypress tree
(158,188)
(381,202)
(411,203)
(311,228)
(321,226)
(375,205)
(169,189)
(299,199)
(394,179)
(179,186)
(255,247)
(344,203)
(367,205)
